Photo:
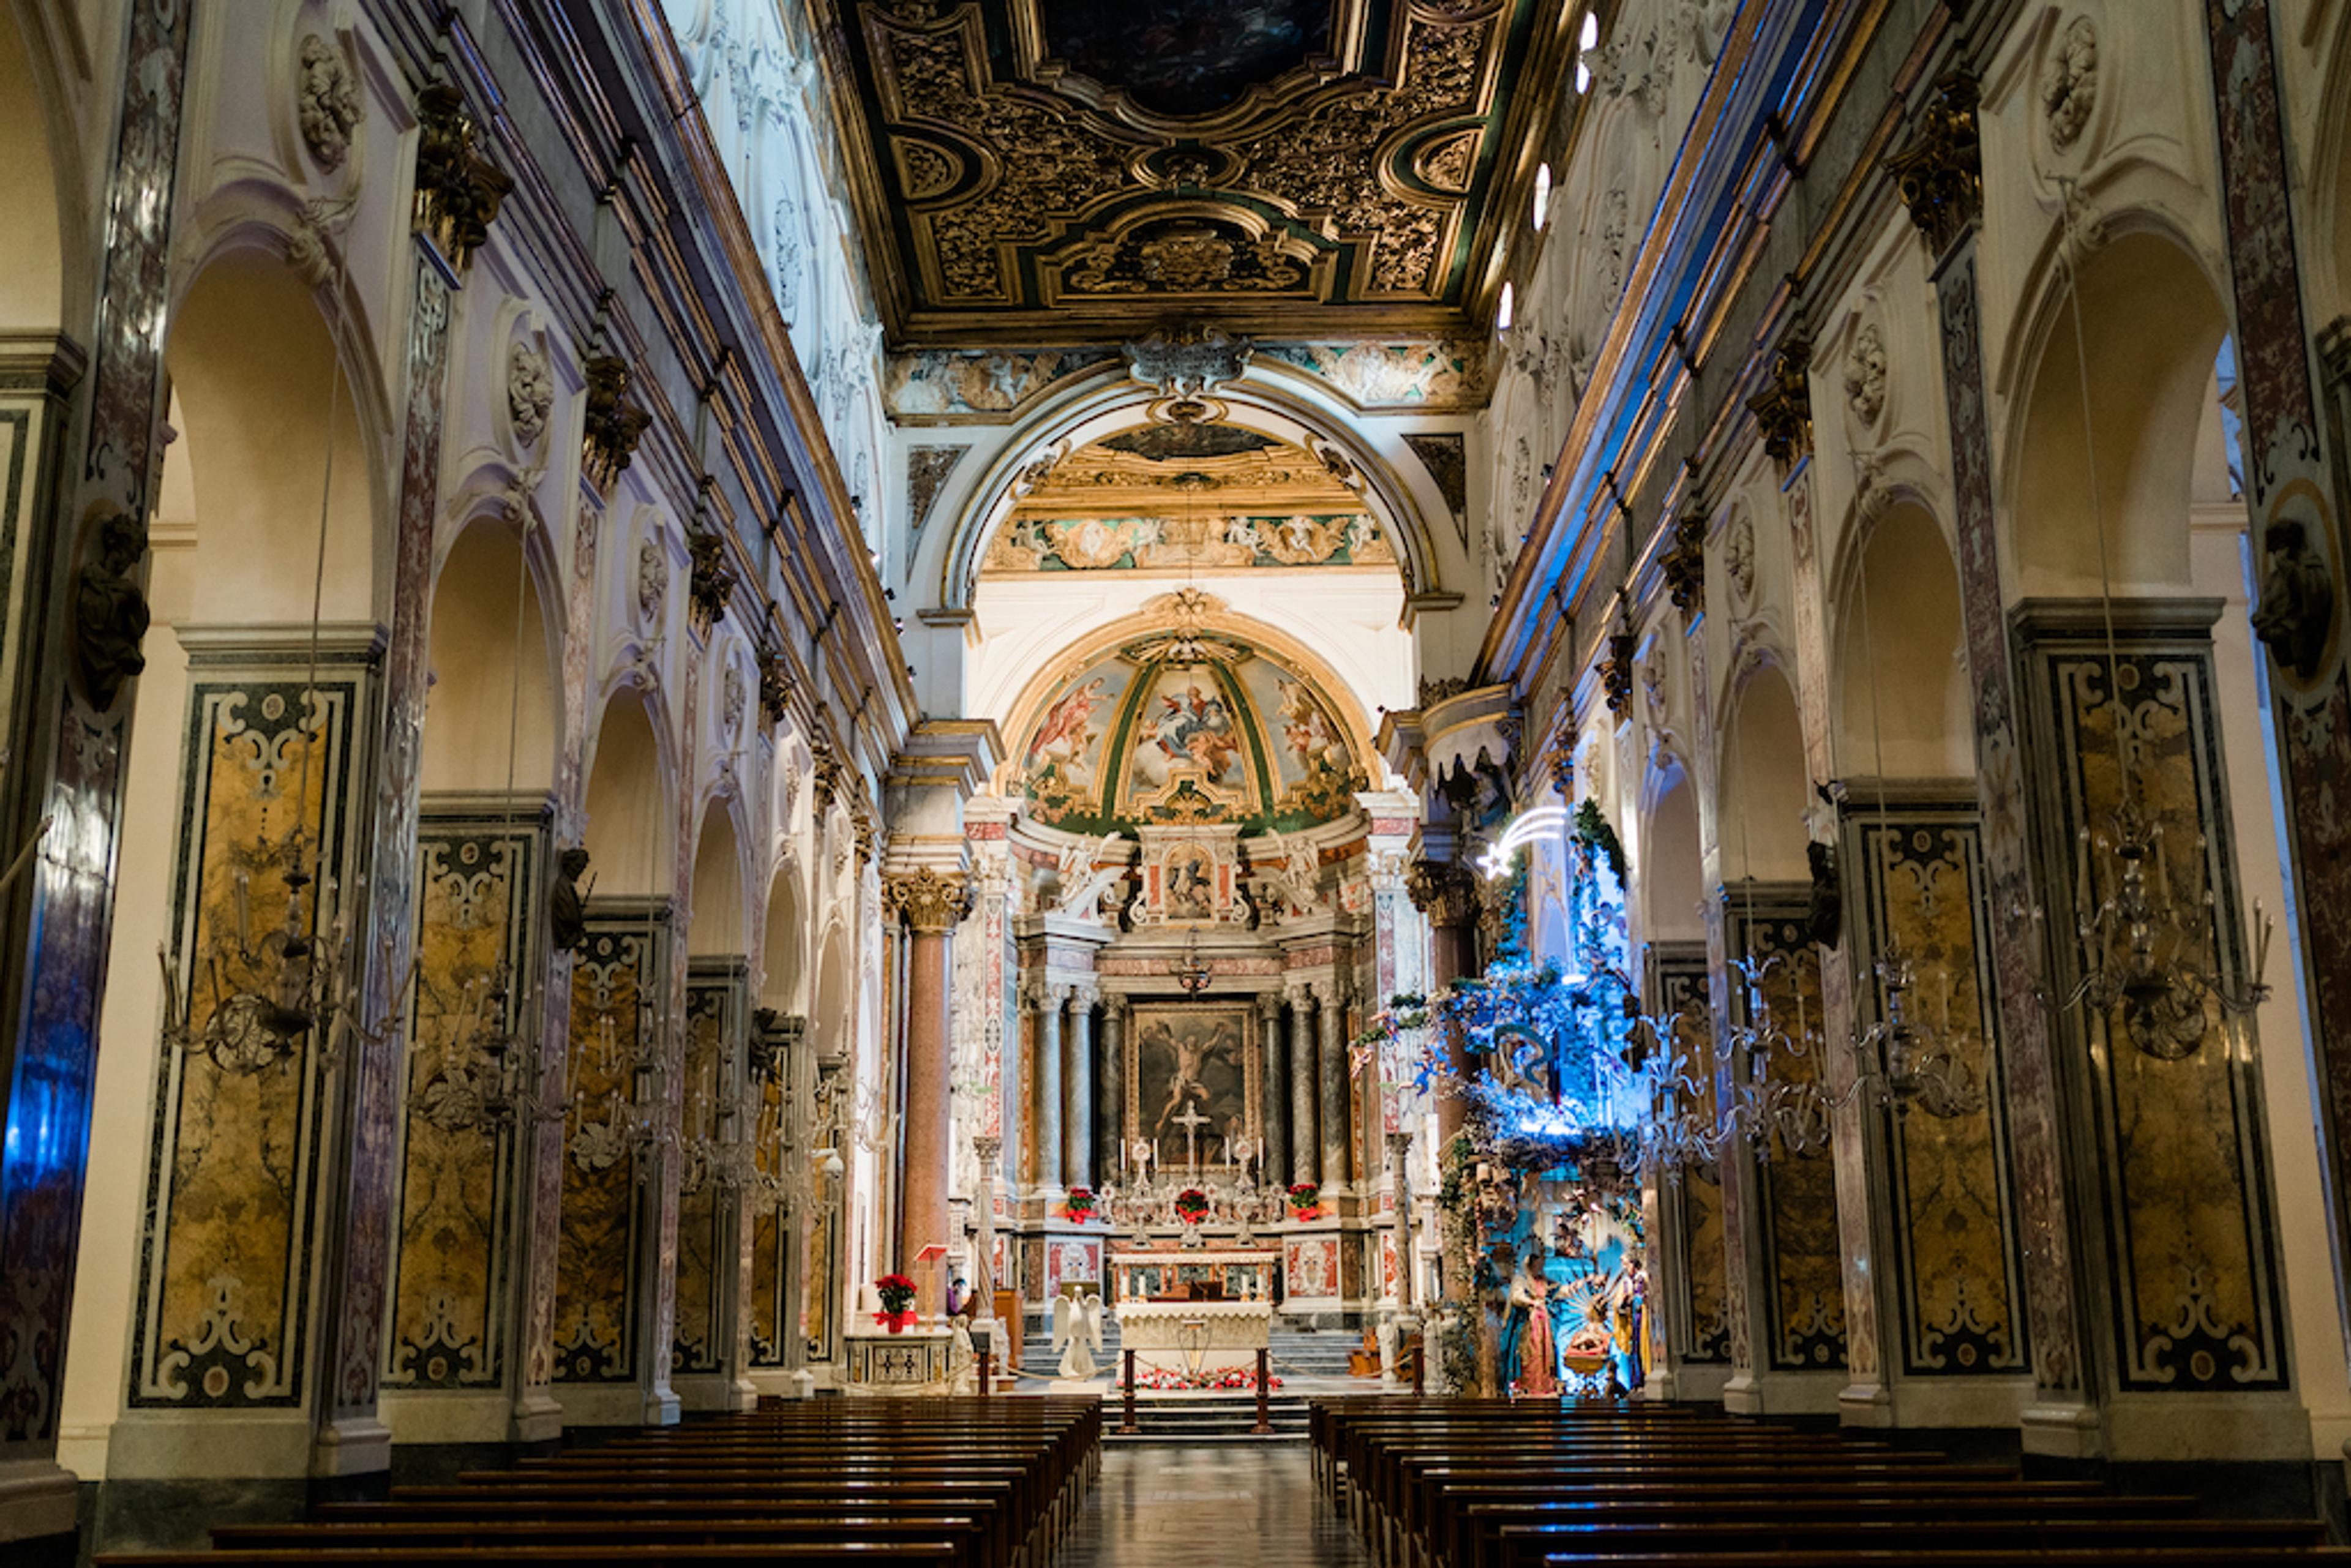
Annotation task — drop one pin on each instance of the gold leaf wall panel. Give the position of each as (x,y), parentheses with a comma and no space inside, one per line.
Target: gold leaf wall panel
(1802,1247)
(599,1258)
(231,1239)
(478,875)
(1959,1273)
(2182,1193)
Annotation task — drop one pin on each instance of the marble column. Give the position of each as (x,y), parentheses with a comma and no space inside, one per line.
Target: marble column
(1045,1001)
(986,1153)
(1400,1182)
(1302,1164)
(1273,1079)
(1110,1103)
(1447,895)
(931,905)
(1078,1091)
(1333,1049)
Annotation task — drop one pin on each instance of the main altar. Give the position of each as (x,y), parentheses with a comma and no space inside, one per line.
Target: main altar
(1194,1311)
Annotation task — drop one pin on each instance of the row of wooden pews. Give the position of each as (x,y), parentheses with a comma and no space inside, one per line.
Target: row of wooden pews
(927,1483)
(1471,1483)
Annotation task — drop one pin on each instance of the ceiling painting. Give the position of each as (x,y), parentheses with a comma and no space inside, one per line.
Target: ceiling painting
(1188,727)
(1187,495)
(1033,171)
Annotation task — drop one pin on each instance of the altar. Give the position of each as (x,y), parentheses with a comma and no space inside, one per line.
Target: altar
(1194,1311)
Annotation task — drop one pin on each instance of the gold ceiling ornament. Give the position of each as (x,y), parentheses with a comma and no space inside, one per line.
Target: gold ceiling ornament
(1021,166)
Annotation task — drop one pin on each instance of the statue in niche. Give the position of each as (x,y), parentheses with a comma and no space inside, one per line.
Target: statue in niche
(110,613)
(2297,598)
(567,916)
(1479,794)
(1825,916)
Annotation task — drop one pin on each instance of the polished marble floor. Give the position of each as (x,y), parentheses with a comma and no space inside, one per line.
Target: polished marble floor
(1238,1505)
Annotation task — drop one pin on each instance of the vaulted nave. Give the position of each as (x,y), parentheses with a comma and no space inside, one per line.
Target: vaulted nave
(1035,783)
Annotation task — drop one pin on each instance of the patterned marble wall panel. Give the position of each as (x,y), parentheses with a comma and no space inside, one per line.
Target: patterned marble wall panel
(1802,1252)
(1958,1263)
(615,985)
(2181,1188)
(1704,1309)
(36,372)
(479,887)
(770,1244)
(715,995)
(227,1289)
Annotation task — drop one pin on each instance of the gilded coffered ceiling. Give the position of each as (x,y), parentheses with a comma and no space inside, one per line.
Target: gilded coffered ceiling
(1054,169)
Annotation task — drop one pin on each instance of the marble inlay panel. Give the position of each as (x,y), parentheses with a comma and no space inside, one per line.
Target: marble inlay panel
(228,1267)
(1704,1270)
(1802,1251)
(1957,1266)
(478,880)
(599,1259)
(2182,1189)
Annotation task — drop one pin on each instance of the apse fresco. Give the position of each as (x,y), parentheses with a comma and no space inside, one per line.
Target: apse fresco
(1236,737)
(1185,57)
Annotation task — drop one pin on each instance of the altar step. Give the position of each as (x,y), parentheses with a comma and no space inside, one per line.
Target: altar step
(1206,1418)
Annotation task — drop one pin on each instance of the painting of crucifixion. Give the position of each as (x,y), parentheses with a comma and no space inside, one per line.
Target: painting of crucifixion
(1190,1073)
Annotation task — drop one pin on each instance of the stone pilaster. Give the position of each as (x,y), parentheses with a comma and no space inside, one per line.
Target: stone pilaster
(1446,895)
(1078,1091)
(1331,1074)
(1045,1003)
(1109,1117)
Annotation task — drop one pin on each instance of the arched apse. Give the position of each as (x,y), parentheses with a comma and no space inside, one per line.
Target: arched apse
(1673,881)
(1765,790)
(490,713)
(2126,462)
(1095,413)
(1902,701)
(720,925)
(628,831)
(783,951)
(254,377)
(33,256)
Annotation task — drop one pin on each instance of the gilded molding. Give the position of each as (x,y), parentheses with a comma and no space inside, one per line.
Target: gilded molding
(458,189)
(1939,171)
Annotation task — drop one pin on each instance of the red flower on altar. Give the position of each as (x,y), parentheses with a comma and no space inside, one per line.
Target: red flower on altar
(1080,1202)
(897,1293)
(1303,1197)
(1191,1205)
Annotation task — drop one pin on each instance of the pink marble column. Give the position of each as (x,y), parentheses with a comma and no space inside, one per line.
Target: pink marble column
(931,906)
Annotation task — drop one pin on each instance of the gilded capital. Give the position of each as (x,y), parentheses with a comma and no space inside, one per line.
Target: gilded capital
(927,901)
(1939,171)
(1783,409)
(1446,892)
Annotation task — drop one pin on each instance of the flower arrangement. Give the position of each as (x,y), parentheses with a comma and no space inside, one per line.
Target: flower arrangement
(1303,1197)
(1079,1203)
(897,1293)
(1167,1380)
(1191,1205)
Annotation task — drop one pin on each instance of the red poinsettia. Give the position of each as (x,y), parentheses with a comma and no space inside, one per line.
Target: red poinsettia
(897,1293)
(1080,1202)
(1191,1205)
(1303,1197)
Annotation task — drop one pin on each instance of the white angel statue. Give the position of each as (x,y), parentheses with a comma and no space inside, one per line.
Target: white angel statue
(1077,1334)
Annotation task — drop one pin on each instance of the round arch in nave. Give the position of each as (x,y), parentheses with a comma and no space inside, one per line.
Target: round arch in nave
(1377,524)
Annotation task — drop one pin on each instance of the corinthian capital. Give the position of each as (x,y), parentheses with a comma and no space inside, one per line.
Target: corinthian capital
(927,901)
(1446,892)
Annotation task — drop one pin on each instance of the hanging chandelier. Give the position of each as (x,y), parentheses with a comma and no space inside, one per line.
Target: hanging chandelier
(1190,971)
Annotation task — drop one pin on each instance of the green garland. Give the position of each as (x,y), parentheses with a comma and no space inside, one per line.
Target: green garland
(1594,834)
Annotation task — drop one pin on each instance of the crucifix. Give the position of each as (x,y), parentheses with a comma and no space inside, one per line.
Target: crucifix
(1192,1122)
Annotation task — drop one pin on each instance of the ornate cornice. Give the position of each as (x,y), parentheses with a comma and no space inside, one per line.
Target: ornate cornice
(927,902)
(775,688)
(1939,171)
(1616,672)
(1445,893)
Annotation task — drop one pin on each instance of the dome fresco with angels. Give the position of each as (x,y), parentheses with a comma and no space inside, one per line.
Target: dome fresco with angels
(1194,728)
